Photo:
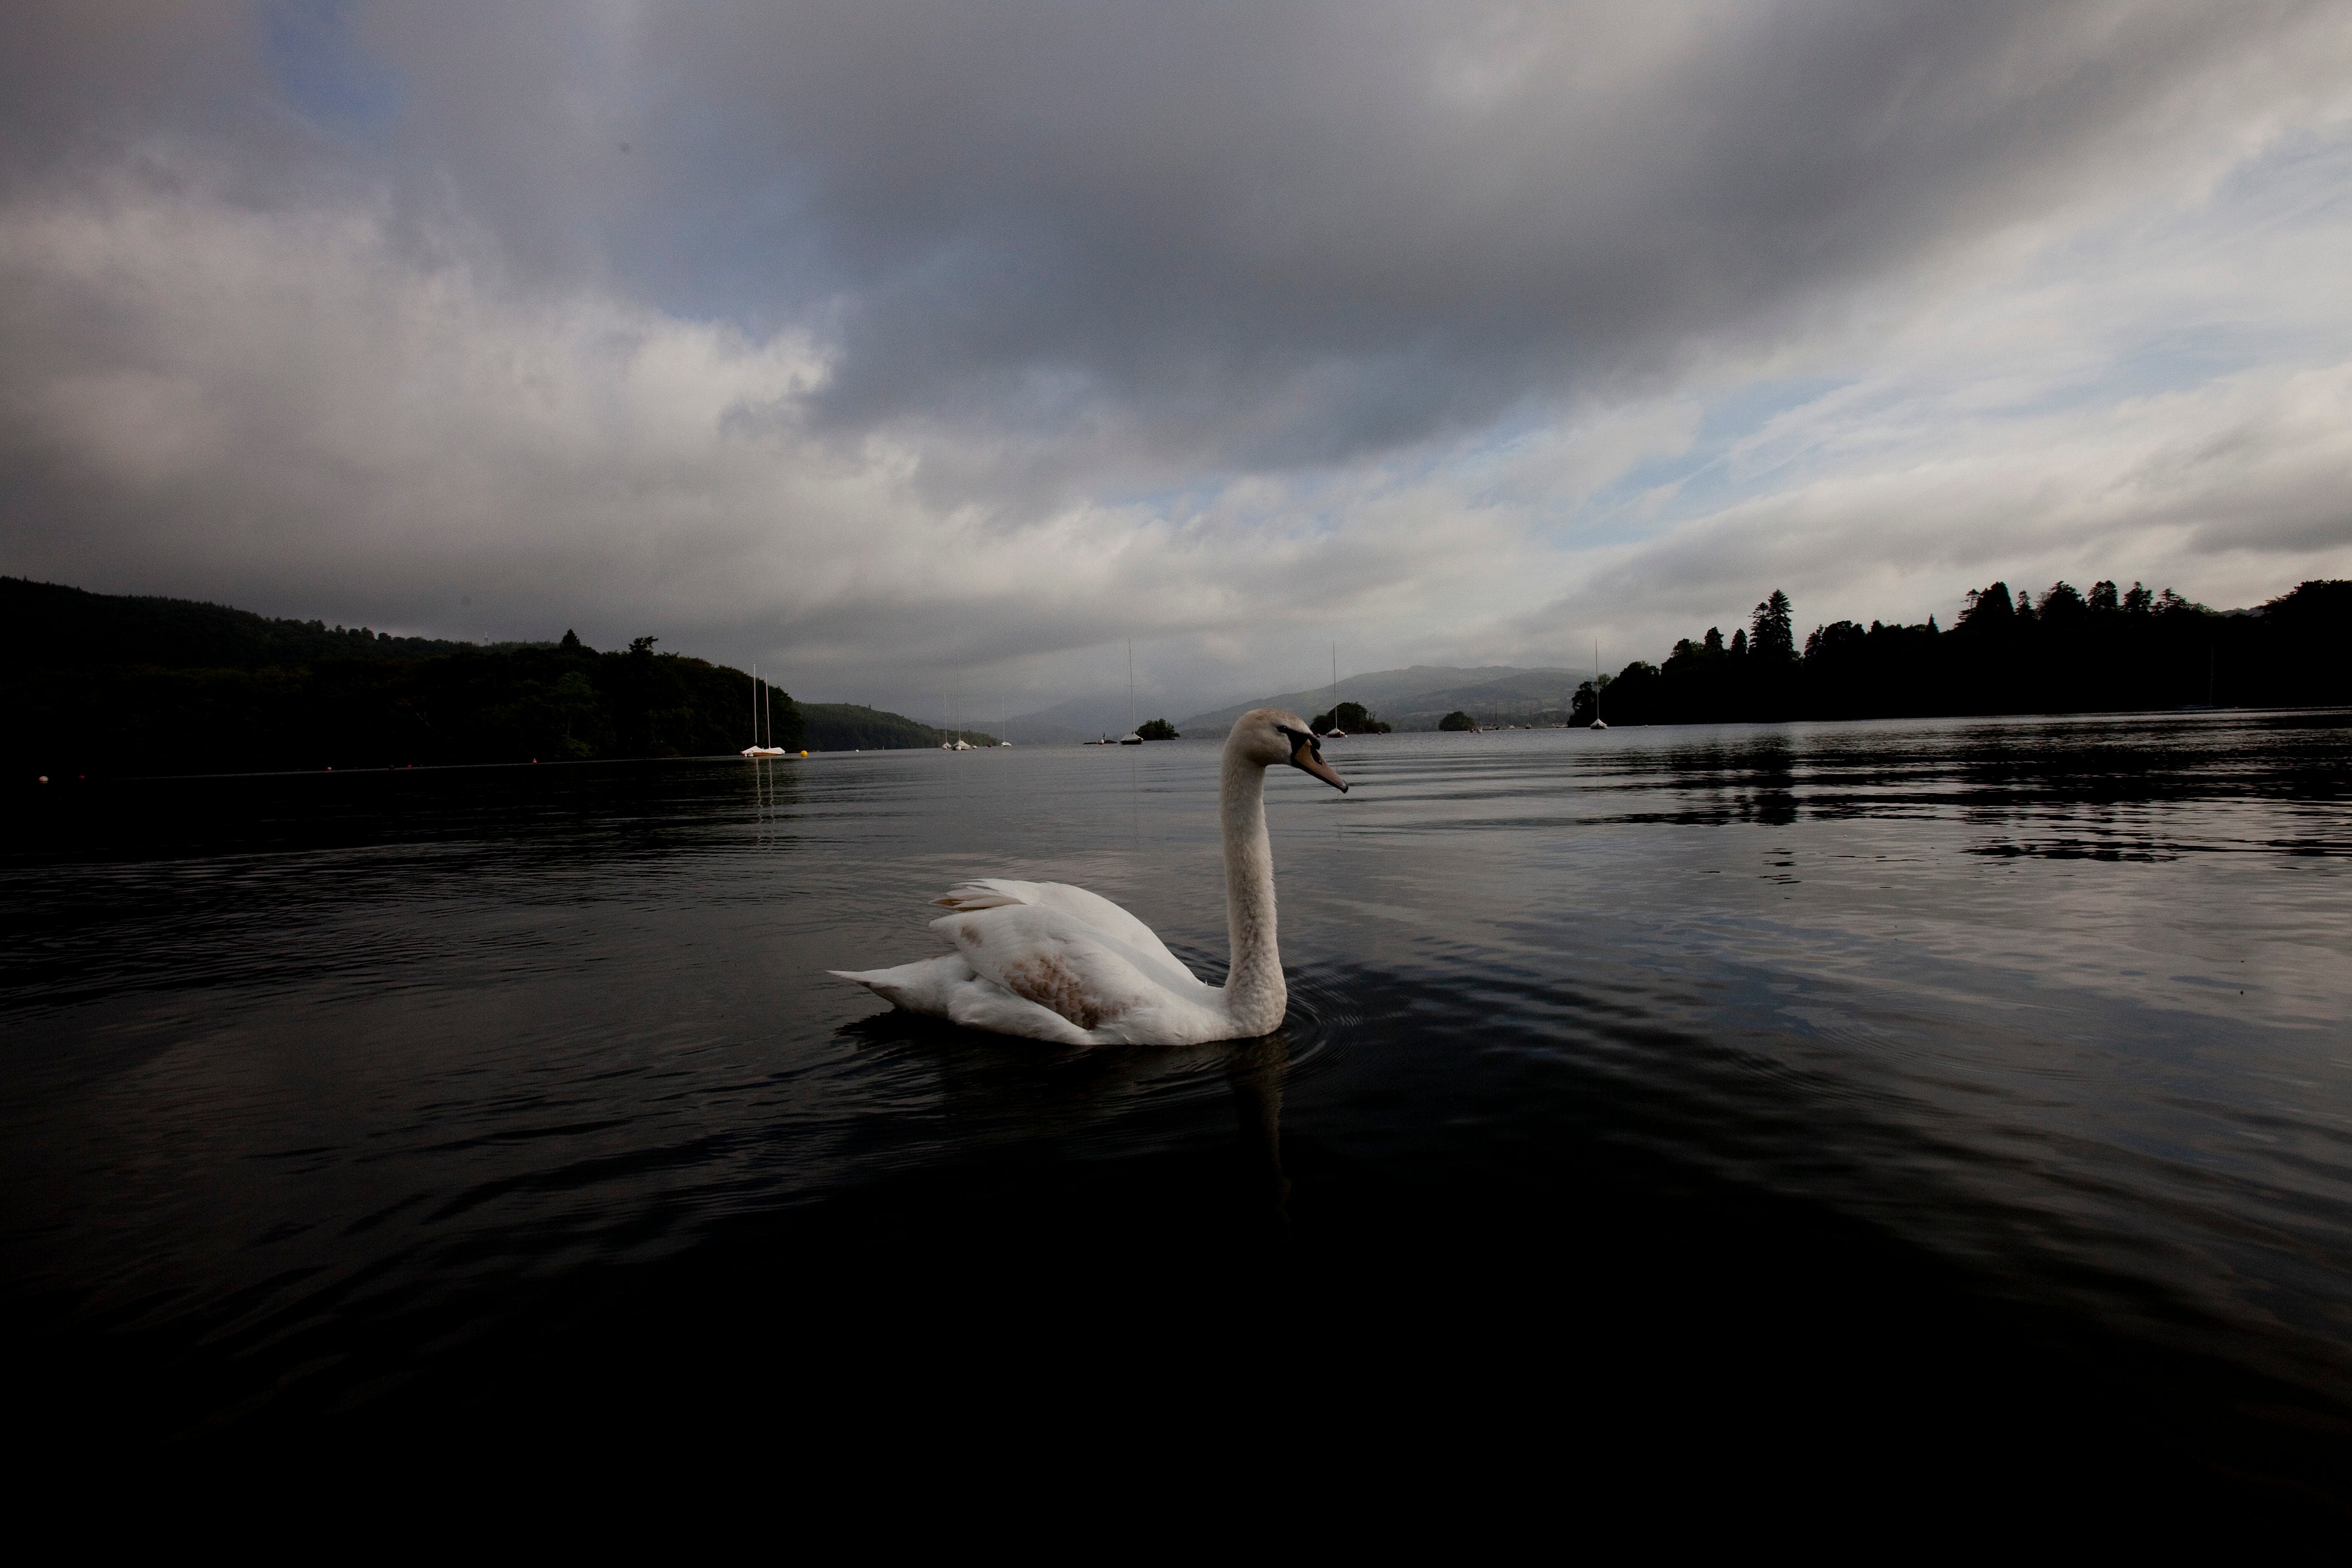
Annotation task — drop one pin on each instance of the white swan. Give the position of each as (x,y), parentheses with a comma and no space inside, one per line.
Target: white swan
(1055,963)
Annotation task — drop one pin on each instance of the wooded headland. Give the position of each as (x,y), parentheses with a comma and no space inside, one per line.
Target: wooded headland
(111,685)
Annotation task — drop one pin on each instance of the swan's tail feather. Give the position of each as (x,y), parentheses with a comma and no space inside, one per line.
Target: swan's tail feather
(924,987)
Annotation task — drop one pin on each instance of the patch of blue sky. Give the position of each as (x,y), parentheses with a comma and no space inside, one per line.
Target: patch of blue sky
(323,70)
(2176,361)
(1314,498)
(1531,423)
(1175,502)
(2302,176)
(1307,500)
(750,259)
(705,237)
(1326,501)
(1703,475)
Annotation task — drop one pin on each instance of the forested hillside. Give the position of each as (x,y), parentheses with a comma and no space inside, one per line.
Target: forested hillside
(853,727)
(100,684)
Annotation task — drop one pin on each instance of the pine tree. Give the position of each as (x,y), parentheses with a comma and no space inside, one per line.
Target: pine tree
(1775,635)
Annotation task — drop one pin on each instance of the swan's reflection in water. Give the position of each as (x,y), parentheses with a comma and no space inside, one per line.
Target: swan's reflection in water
(991,1090)
(1255,1070)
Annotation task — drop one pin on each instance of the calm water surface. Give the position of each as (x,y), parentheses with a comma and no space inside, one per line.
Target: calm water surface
(1988,1078)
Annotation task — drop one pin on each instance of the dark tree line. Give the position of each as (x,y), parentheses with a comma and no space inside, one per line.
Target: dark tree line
(100,685)
(2110,650)
(854,727)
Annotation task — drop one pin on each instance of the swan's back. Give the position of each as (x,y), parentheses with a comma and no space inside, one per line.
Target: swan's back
(1055,963)
(1087,907)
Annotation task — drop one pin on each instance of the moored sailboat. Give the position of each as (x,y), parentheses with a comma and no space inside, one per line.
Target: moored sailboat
(1134,736)
(759,704)
(1335,732)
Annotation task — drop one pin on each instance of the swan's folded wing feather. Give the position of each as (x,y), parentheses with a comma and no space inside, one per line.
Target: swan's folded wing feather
(948,987)
(984,1004)
(981,895)
(1078,971)
(1088,908)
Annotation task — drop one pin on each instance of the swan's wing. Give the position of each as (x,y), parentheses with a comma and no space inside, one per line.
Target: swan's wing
(948,987)
(1087,908)
(1078,971)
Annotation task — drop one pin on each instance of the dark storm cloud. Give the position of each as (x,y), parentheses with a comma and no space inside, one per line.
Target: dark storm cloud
(1256,237)
(1276,235)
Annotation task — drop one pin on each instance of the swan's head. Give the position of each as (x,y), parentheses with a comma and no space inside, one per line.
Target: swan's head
(1268,736)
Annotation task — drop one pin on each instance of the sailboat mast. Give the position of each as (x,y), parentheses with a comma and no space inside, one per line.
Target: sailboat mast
(768,707)
(755,704)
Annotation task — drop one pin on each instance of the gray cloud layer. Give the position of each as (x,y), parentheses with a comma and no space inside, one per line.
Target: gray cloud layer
(877,338)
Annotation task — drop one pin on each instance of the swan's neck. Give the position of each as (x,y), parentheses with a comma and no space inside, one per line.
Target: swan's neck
(1254,992)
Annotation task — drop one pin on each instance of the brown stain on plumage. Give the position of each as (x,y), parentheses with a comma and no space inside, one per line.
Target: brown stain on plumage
(1046,979)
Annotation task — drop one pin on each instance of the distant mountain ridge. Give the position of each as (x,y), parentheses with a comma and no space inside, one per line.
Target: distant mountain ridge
(1416,697)
(1079,719)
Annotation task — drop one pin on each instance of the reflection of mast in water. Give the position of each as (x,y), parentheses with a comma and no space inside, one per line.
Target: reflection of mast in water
(1255,1071)
(767,796)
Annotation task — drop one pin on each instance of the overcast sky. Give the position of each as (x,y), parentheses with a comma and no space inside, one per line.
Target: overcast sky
(918,348)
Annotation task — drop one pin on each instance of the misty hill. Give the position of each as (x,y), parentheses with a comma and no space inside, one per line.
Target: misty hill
(106,684)
(853,727)
(1411,698)
(1079,719)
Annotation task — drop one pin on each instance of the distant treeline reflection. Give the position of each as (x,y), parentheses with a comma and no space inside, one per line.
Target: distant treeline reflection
(2107,650)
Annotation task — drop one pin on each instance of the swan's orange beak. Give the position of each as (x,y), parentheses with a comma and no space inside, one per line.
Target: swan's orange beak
(1307,758)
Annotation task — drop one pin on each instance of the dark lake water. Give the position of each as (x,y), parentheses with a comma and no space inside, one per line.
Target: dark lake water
(1962,1107)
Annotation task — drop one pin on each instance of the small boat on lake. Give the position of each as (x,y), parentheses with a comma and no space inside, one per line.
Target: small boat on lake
(756,751)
